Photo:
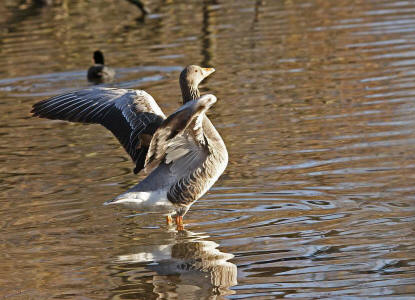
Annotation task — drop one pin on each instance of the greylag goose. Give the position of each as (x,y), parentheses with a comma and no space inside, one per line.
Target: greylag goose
(99,72)
(183,154)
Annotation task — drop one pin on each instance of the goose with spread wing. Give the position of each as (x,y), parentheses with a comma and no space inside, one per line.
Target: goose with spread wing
(183,154)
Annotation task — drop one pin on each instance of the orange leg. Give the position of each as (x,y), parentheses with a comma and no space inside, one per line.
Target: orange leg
(179,223)
(169,220)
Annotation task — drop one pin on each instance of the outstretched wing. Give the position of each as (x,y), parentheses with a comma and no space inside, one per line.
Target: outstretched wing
(181,135)
(131,115)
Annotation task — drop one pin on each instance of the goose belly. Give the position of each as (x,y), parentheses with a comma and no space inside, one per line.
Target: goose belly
(149,201)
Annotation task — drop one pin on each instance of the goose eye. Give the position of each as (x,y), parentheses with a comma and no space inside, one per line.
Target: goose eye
(196,71)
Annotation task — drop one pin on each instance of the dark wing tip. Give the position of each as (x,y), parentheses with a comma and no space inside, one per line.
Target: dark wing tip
(35,109)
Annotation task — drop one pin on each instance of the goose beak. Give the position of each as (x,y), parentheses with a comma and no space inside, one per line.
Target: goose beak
(207,71)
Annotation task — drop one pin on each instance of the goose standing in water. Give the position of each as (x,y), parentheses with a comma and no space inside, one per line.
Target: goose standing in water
(99,72)
(183,154)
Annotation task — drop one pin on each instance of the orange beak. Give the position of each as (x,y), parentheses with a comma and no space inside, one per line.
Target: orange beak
(207,71)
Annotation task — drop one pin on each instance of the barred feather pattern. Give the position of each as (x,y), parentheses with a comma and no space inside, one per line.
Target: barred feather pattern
(188,189)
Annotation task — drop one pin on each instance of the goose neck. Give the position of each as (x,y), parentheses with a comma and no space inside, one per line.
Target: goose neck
(189,93)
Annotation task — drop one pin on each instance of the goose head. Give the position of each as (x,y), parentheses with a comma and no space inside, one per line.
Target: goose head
(190,78)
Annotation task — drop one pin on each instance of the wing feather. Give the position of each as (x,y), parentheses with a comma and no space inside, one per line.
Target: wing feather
(179,141)
(127,113)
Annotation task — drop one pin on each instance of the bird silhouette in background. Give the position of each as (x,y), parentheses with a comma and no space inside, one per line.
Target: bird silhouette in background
(99,72)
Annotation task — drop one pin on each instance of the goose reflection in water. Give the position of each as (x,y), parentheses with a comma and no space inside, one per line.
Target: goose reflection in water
(188,268)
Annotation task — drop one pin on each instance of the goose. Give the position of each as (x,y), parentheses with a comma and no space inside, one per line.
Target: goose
(99,72)
(182,154)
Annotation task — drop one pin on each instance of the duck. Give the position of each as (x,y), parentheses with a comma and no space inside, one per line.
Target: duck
(99,72)
(182,155)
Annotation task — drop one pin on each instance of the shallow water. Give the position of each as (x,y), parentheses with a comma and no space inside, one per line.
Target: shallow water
(316,106)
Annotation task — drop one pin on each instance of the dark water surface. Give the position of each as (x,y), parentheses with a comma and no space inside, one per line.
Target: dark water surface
(316,103)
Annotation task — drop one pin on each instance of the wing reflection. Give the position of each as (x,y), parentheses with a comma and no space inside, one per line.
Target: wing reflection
(186,267)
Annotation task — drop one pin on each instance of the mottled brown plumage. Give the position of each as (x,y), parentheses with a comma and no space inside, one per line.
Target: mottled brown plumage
(183,154)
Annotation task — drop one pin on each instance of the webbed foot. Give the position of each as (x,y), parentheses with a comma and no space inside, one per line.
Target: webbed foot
(179,223)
